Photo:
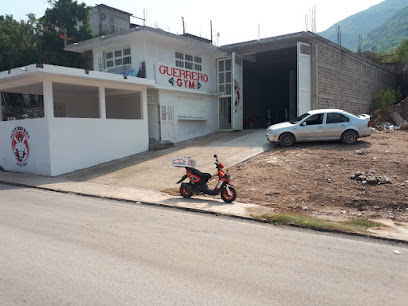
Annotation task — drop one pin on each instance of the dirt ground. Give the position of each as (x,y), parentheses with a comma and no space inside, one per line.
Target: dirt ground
(314,178)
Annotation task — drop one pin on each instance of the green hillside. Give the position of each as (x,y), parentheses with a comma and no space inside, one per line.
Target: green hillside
(363,22)
(389,35)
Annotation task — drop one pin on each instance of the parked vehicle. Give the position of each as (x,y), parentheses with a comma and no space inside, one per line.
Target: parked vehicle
(198,180)
(321,124)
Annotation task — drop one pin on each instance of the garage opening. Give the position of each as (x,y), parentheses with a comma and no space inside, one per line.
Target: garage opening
(270,87)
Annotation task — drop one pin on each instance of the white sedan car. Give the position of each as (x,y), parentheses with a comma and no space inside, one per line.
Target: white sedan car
(321,124)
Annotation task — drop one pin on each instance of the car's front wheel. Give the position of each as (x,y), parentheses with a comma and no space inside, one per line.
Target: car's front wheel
(287,140)
(349,137)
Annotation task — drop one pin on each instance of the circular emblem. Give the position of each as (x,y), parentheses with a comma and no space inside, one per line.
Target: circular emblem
(20,145)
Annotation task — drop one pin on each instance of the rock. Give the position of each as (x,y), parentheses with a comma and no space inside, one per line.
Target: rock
(304,207)
(398,119)
(343,212)
(364,182)
(372,180)
(397,252)
(361,178)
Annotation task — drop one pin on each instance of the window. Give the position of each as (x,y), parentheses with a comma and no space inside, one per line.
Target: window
(152,96)
(166,113)
(315,119)
(118,58)
(336,118)
(224,77)
(188,61)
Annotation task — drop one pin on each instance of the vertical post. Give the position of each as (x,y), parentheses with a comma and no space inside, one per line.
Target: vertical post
(48,99)
(1,106)
(102,102)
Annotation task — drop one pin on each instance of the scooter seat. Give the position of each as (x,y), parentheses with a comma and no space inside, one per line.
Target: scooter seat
(203,176)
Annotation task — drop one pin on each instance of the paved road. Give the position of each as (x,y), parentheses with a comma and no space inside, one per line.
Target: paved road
(63,249)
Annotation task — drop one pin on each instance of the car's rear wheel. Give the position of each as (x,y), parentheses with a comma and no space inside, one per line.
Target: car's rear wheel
(349,137)
(287,140)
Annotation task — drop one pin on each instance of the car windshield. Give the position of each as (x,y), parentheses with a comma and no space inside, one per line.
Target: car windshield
(300,118)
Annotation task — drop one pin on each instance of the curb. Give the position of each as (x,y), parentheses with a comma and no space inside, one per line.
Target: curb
(196,210)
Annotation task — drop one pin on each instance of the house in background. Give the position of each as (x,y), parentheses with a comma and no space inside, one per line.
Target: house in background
(147,85)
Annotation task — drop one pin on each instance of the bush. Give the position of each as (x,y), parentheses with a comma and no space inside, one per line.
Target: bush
(386,98)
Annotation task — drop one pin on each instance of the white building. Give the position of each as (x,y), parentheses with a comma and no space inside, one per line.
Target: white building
(149,85)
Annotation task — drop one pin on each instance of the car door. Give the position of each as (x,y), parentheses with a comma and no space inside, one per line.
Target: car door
(335,124)
(311,128)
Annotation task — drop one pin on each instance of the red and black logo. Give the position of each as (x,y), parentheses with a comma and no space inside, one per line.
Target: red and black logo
(20,145)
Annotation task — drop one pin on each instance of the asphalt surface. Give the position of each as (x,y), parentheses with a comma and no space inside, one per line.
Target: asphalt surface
(64,249)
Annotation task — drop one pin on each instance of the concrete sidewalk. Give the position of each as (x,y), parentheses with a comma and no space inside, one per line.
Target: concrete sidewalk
(141,177)
(135,195)
(153,171)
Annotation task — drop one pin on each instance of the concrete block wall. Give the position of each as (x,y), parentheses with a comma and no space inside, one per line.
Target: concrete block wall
(345,80)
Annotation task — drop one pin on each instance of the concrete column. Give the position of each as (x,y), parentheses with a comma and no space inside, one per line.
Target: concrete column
(102,102)
(143,99)
(48,99)
(1,106)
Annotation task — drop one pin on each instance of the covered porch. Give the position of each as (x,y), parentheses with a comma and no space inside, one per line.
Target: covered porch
(55,120)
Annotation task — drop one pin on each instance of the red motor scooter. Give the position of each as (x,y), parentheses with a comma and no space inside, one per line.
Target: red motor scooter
(198,182)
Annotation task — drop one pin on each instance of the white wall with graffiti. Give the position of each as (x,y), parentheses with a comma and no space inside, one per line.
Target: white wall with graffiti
(183,69)
(25,146)
(172,61)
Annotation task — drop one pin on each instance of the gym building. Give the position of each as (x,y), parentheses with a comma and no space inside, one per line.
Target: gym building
(146,87)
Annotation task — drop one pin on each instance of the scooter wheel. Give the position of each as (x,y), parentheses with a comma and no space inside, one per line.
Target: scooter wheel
(185,192)
(229,198)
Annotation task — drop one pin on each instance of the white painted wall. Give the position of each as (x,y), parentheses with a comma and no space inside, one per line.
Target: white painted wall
(158,50)
(80,143)
(188,129)
(38,161)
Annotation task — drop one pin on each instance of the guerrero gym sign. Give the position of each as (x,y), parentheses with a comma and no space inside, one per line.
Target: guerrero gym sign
(184,78)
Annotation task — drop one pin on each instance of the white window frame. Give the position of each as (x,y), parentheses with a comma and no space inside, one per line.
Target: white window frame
(224,85)
(167,113)
(188,61)
(118,57)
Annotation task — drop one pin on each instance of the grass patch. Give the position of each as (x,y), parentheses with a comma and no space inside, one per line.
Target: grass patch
(1,168)
(354,225)
(361,222)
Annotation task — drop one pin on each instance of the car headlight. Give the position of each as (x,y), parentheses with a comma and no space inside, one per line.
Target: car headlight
(269,130)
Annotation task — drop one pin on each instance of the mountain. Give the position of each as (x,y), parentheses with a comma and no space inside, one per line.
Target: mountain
(389,35)
(363,22)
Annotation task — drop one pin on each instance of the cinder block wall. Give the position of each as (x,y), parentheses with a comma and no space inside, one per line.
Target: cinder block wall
(346,80)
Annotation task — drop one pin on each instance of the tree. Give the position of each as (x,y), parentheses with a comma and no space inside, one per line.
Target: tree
(402,52)
(65,21)
(19,41)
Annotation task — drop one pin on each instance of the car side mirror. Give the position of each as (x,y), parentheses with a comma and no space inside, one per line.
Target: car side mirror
(303,123)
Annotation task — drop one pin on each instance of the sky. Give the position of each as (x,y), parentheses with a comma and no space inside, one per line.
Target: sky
(235,21)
